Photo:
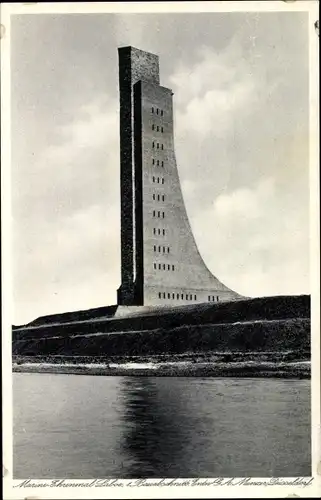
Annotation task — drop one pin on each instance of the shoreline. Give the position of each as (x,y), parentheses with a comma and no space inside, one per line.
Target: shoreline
(249,369)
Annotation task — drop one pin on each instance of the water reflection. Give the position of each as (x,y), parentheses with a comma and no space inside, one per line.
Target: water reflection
(154,436)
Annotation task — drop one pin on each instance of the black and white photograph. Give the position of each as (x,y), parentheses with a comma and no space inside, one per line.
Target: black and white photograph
(161,185)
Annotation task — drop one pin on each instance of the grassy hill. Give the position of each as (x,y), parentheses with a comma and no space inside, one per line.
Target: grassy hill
(263,324)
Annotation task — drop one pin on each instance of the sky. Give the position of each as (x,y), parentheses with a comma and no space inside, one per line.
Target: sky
(241,97)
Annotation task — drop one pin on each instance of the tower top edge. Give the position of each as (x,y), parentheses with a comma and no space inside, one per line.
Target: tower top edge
(130,48)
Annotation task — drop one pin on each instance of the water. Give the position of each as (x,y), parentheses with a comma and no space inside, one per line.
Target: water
(78,426)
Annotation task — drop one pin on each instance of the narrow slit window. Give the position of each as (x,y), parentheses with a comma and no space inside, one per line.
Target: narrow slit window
(153,197)
(167,249)
(163,197)
(154,265)
(162,146)
(159,231)
(182,296)
(157,180)
(153,179)
(159,249)
(168,295)
(158,163)
(162,129)
(157,110)
(154,230)
(153,213)
(173,268)
(163,215)
(164,295)
(209,298)
(162,112)
(157,128)
(186,296)
(158,145)
(163,249)
(163,181)
(158,214)
(158,197)
(153,127)
(177,296)
(169,267)
(153,144)
(191,297)
(159,266)
(173,295)
(164,267)
(154,248)
(152,110)
(195,298)
(162,163)
(217,298)
(153,161)
(163,232)
(159,295)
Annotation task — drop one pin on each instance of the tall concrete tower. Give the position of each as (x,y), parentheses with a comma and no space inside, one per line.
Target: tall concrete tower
(160,261)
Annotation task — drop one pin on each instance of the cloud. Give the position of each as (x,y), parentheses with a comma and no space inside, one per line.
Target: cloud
(254,245)
(66,229)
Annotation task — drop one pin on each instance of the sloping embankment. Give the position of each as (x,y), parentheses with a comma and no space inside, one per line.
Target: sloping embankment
(262,324)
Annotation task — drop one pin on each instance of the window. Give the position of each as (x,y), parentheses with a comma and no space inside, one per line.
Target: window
(158,197)
(177,296)
(167,249)
(159,231)
(168,267)
(154,248)
(163,215)
(209,298)
(162,181)
(168,295)
(157,128)
(186,296)
(164,296)
(154,230)
(154,266)
(163,232)
(152,110)
(153,144)
(158,145)
(163,197)
(191,297)
(158,163)
(162,163)
(217,298)
(162,146)
(159,266)
(153,197)
(162,112)
(154,213)
(173,295)
(162,129)
(153,127)
(195,298)
(157,111)
(157,180)
(164,267)
(158,214)
(159,295)
(173,268)
(182,296)
(153,179)
(159,249)
(153,161)
(163,249)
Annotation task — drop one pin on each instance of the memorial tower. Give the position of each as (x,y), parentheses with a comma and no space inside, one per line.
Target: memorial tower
(160,261)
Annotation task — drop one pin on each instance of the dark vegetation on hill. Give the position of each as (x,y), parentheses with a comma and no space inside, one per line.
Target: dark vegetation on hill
(263,324)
